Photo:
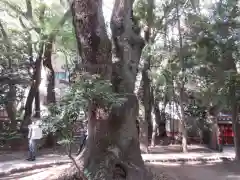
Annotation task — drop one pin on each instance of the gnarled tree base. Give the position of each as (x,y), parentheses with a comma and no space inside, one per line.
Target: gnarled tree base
(109,169)
(112,149)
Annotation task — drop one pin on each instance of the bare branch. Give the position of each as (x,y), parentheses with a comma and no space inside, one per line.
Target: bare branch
(5,36)
(19,11)
(29,9)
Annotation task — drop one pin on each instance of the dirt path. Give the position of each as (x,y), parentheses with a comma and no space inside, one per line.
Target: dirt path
(37,174)
(223,171)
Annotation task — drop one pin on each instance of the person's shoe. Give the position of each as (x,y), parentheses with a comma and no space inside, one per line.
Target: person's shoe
(30,159)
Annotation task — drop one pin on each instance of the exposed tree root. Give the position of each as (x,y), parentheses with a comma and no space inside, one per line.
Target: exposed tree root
(110,167)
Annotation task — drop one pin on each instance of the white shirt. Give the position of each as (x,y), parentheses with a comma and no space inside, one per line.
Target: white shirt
(35,132)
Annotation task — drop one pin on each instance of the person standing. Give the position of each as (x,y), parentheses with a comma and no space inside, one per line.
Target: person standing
(83,140)
(34,134)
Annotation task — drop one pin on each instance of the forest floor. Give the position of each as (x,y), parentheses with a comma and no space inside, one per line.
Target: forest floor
(49,161)
(210,171)
(218,171)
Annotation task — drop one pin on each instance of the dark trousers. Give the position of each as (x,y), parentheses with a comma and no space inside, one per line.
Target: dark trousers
(82,144)
(32,145)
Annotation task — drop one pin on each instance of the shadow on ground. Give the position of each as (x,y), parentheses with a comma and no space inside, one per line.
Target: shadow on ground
(184,171)
(21,175)
(159,149)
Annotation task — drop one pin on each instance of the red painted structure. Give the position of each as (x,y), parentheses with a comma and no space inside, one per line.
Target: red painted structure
(226,135)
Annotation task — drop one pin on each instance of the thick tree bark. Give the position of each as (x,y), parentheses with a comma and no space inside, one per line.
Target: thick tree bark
(113,141)
(143,133)
(181,85)
(144,95)
(36,80)
(37,104)
(37,65)
(155,120)
(183,122)
(235,123)
(47,63)
(128,47)
(212,118)
(47,59)
(11,106)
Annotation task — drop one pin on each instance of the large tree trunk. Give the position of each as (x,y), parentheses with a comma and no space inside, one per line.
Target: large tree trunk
(36,80)
(51,96)
(11,106)
(183,122)
(214,129)
(128,47)
(47,63)
(144,95)
(235,122)
(181,85)
(37,104)
(143,130)
(113,141)
(155,121)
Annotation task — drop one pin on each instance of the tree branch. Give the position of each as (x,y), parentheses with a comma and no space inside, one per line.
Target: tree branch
(5,36)
(19,11)
(29,9)
(62,21)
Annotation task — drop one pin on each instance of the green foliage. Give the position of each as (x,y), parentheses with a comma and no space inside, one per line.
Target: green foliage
(217,45)
(7,136)
(86,89)
(24,25)
(210,38)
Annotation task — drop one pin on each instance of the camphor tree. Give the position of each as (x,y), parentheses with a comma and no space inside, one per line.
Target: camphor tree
(113,141)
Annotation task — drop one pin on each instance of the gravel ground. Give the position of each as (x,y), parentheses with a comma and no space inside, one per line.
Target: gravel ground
(170,171)
(45,173)
(37,174)
(221,171)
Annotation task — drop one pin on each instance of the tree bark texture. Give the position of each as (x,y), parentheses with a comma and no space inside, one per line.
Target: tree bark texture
(113,141)
(127,47)
(212,118)
(47,63)
(144,95)
(156,118)
(11,105)
(37,105)
(36,80)
(47,58)
(183,122)
(181,85)
(235,122)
